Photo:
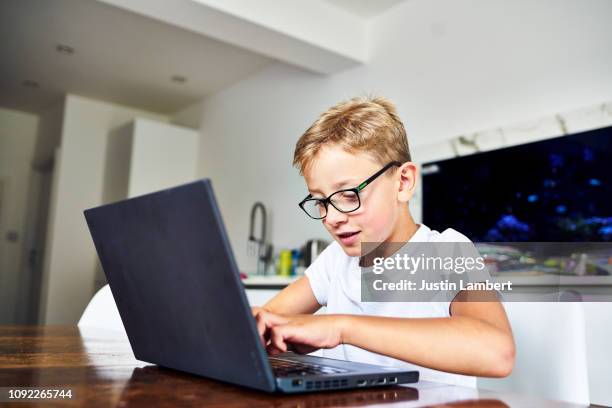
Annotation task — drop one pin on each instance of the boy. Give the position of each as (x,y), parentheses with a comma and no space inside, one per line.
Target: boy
(364,139)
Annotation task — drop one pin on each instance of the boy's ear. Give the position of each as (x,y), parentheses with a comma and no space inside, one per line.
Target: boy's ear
(407,181)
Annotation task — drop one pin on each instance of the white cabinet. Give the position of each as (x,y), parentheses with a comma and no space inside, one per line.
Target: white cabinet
(145,156)
(259,297)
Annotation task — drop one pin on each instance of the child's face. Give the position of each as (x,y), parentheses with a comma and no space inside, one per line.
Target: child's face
(382,201)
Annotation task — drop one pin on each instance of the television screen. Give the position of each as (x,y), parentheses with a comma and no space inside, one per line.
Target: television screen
(555,190)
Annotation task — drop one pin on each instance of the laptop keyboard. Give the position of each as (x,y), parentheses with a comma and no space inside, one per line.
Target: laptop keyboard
(285,367)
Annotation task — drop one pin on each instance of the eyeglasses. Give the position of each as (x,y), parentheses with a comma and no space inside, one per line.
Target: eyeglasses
(345,201)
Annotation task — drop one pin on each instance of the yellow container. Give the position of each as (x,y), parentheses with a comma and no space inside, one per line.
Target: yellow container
(284,264)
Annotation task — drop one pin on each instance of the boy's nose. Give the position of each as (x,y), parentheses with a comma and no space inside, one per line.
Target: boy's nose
(335,217)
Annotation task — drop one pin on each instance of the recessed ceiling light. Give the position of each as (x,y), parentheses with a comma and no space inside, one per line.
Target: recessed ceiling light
(65,49)
(28,83)
(179,79)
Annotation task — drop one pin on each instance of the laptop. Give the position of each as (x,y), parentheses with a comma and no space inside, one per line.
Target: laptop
(168,261)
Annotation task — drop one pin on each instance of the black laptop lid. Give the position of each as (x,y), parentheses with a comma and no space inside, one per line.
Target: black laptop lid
(170,268)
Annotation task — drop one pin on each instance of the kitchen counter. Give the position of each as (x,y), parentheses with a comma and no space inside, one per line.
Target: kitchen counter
(268,281)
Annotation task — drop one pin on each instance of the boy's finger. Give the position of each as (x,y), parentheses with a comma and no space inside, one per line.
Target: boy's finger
(303,349)
(277,339)
(265,321)
(261,329)
(273,351)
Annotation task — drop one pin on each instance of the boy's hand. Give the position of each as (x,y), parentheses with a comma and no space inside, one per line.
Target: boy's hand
(265,320)
(300,333)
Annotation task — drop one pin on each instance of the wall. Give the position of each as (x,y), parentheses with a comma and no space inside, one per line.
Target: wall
(17,143)
(190,116)
(71,261)
(47,155)
(452,67)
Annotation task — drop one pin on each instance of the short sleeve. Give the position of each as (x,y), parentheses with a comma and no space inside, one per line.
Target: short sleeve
(462,248)
(318,274)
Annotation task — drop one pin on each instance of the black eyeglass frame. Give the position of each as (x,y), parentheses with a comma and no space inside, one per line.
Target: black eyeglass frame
(327,201)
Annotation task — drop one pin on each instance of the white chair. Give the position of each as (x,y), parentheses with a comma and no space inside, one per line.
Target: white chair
(102,313)
(599,334)
(551,352)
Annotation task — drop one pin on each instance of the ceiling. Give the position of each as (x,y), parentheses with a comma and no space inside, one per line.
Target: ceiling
(119,56)
(365,8)
(125,57)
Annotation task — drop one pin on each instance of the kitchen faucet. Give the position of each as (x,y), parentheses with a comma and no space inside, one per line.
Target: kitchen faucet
(263,250)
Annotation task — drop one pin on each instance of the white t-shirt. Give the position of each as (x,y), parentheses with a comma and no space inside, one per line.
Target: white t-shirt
(335,279)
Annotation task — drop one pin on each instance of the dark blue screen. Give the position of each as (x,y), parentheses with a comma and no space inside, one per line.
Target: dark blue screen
(553,190)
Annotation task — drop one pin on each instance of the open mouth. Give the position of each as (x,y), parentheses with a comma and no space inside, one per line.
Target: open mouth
(348,238)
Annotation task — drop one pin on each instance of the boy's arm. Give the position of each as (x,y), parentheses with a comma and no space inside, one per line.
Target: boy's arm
(475,340)
(296,298)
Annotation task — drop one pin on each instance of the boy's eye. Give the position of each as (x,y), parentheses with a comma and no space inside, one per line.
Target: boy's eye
(348,196)
(318,204)
(345,200)
(315,208)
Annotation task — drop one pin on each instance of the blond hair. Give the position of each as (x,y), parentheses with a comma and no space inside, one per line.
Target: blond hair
(361,124)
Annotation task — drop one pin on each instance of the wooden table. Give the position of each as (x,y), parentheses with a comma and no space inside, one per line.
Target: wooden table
(100,370)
